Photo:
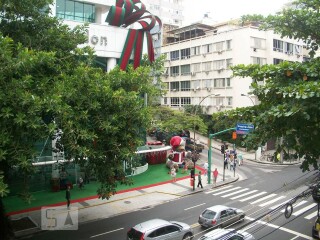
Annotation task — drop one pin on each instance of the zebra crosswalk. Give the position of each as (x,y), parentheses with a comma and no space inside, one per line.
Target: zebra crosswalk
(265,199)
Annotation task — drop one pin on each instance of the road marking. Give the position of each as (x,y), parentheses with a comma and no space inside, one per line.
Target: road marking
(282,228)
(312,215)
(278,205)
(225,191)
(297,205)
(271,201)
(253,196)
(195,206)
(304,209)
(216,190)
(294,237)
(106,233)
(264,198)
(245,194)
(230,194)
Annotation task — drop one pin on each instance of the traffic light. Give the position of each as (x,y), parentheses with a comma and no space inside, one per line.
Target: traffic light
(222,149)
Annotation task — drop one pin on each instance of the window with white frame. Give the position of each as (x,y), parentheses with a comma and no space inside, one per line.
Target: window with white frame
(174,86)
(185,69)
(196,84)
(195,50)
(229,62)
(185,101)
(195,67)
(258,43)
(297,49)
(258,60)
(174,71)
(207,66)
(229,101)
(218,64)
(175,102)
(277,45)
(207,83)
(228,82)
(207,48)
(277,61)
(185,86)
(219,101)
(185,53)
(165,100)
(219,82)
(228,44)
(288,48)
(174,55)
(218,46)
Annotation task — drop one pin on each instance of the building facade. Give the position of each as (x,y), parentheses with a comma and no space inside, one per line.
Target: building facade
(198,60)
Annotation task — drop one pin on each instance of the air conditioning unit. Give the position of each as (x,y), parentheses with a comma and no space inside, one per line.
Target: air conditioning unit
(207,72)
(208,89)
(197,88)
(193,73)
(220,51)
(166,75)
(204,55)
(221,68)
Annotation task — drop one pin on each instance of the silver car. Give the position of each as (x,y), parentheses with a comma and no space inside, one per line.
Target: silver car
(227,234)
(158,229)
(220,216)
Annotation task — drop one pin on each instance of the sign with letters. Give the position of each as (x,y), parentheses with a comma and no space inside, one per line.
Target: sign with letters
(243,128)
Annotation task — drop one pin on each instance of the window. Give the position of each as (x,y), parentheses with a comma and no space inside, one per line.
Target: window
(207,83)
(258,60)
(277,61)
(288,48)
(219,101)
(185,86)
(175,102)
(196,67)
(297,49)
(174,55)
(229,62)
(196,84)
(228,44)
(165,100)
(174,86)
(258,43)
(185,101)
(172,228)
(174,71)
(219,83)
(77,11)
(207,48)
(229,101)
(185,53)
(185,69)
(195,50)
(228,82)
(218,46)
(218,65)
(206,66)
(277,45)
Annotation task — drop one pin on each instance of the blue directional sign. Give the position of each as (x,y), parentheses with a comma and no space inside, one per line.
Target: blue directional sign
(243,128)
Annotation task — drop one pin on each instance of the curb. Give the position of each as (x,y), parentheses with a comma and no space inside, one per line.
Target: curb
(273,164)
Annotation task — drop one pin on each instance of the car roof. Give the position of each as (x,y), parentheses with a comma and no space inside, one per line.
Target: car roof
(151,224)
(216,233)
(217,208)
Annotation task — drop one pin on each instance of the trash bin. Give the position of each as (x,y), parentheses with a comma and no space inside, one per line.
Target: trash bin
(191,182)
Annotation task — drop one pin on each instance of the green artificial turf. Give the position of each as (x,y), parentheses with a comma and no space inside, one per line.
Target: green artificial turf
(155,174)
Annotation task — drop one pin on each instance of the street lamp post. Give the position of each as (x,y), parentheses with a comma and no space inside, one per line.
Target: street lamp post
(194,154)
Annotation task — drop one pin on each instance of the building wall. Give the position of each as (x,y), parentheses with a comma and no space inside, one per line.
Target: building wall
(230,45)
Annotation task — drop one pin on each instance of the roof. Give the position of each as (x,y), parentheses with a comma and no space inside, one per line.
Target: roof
(217,208)
(192,27)
(151,224)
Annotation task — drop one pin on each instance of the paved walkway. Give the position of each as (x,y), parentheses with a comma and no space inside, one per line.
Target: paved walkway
(139,198)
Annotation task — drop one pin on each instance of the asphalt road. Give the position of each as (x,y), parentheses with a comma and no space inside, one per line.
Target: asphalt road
(262,188)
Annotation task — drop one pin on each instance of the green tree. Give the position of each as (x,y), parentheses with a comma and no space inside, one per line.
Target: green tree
(289,98)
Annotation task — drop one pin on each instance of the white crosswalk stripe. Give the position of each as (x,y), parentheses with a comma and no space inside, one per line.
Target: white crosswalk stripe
(234,193)
(217,190)
(296,205)
(271,201)
(304,209)
(244,194)
(225,191)
(253,196)
(264,198)
(312,215)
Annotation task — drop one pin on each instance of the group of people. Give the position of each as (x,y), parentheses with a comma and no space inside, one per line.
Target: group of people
(232,159)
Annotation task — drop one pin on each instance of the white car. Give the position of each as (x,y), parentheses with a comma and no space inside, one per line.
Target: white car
(227,234)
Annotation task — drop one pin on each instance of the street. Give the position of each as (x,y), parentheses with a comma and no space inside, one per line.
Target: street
(261,189)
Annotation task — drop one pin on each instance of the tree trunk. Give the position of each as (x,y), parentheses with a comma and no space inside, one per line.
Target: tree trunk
(5,225)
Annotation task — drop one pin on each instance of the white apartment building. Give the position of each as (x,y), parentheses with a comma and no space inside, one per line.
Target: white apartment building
(199,59)
(108,41)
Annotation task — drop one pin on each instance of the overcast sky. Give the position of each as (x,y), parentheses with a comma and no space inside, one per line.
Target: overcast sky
(220,10)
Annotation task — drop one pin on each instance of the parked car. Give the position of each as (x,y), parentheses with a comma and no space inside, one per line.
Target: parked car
(158,229)
(220,216)
(227,234)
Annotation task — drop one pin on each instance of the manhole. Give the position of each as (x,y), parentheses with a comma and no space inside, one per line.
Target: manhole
(127,202)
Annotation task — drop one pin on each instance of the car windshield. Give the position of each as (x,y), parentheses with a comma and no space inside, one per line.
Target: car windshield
(208,214)
(134,234)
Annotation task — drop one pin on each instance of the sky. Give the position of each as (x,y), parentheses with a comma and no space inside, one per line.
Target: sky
(221,10)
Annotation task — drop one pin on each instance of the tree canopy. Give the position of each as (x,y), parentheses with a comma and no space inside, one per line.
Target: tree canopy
(290,93)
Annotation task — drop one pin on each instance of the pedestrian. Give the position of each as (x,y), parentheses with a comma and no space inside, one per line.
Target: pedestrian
(68,196)
(205,166)
(199,180)
(173,174)
(80,183)
(215,176)
(240,159)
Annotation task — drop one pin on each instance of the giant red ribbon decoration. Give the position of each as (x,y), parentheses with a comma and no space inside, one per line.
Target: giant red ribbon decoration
(125,13)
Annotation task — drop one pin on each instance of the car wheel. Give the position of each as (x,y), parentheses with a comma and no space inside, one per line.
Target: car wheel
(188,236)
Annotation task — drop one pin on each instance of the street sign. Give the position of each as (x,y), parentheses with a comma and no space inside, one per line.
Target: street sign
(243,128)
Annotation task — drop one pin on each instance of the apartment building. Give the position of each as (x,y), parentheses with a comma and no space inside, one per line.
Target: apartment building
(198,60)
